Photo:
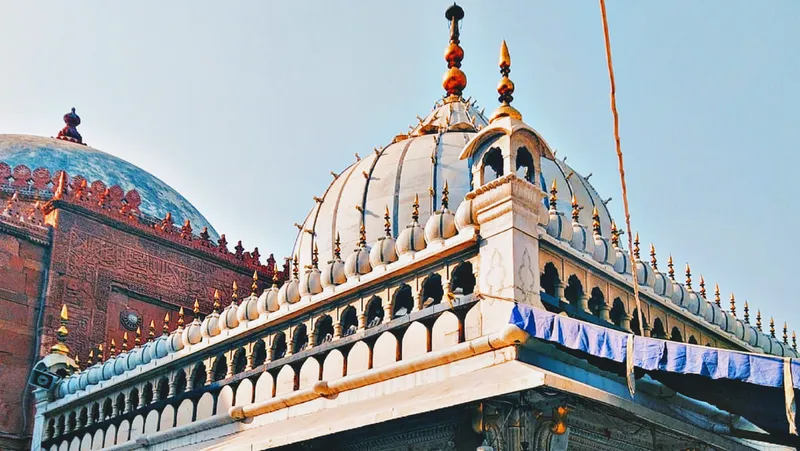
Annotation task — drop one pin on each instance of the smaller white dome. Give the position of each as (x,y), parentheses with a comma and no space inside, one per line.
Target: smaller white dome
(210,326)
(73,384)
(358,263)
(442,223)
(95,374)
(603,250)
(289,293)
(383,252)
(558,226)
(311,283)
(412,238)
(147,352)
(117,365)
(161,348)
(696,304)
(581,240)
(248,310)
(268,301)
(83,379)
(465,215)
(133,358)
(229,318)
(63,389)
(713,312)
(176,339)
(193,332)
(662,285)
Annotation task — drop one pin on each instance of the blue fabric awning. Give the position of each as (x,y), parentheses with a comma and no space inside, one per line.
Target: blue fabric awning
(750,385)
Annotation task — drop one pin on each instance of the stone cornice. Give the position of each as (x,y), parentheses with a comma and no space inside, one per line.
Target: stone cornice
(34,234)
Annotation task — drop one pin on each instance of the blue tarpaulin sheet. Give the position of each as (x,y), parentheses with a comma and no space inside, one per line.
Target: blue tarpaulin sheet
(743,383)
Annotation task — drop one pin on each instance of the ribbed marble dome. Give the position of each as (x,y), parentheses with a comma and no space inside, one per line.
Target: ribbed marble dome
(158,198)
(425,160)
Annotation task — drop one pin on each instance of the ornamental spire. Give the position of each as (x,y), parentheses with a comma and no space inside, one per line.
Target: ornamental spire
(445,196)
(100,357)
(70,130)
(165,327)
(196,307)
(215,306)
(717,299)
(254,286)
(112,350)
(785,333)
(702,287)
(671,268)
(505,88)
(235,293)
(362,235)
(151,335)
(454,80)
(615,233)
(576,209)
(61,333)
(180,317)
(90,359)
(733,305)
(758,320)
(337,247)
(653,260)
(387,224)
(688,277)
(138,339)
(554,197)
(415,209)
(125,342)
(315,256)
(772,327)
(295,267)
(636,246)
(595,221)
(746,313)
(794,341)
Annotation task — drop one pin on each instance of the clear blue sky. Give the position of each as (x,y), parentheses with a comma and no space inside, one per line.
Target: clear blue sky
(245,107)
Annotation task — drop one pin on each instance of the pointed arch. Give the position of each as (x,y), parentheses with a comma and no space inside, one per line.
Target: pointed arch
(259,353)
(692,340)
(658,329)
(675,335)
(180,381)
(163,388)
(219,368)
(617,312)
(349,321)
(525,169)
(574,290)
(198,375)
(239,361)
(299,338)
(323,330)
(550,279)
(403,301)
(596,301)
(492,165)
(635,322)
(432,290)
(374,311)
(279,346)
(463,280)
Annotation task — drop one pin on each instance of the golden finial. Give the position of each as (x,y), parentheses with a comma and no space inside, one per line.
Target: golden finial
(653,260)
(746,313)
(138,339)
(553,195)
(794,341)
(688,277)
(100,356)
(445,196)
(180,317)
(125,342)
(758,320)
(112,349)
(90,360)
(151,335)
(61,333)
(337,247)
(77,360)
(717,298)
(733,305)
(295,267)
(254,286)
(671,268)
(595,221)
(196,307)
(387,224)
(785,333)
(636,246)
(505,88)
(235,293)
(362,235)
(576,209)
(614,234)
(772,327)
(415,209)
(215,305)
(165,327)
(702,286)
(454,80)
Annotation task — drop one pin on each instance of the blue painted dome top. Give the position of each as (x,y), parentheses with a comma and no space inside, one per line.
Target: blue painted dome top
(75,158)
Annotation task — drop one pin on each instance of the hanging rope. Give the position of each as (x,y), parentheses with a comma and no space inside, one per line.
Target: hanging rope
(621,165)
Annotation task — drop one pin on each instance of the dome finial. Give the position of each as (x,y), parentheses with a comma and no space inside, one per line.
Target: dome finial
(180,317)
(61,333)
(138,338)
(362,235)
(794,341)
(125,342)
(215,306)
(733,305)
(445,196)
(315,256)
(505,88)
(165,326)
(235,293)
(671,268)
(415,209)
(653,260)
(758,320)
(254,285)
(614,234)
(595,221)
(636,250)
(688,277)
(337,247)
(746,313)
(576,209)
(717,299)
(151,334)
(702,286)
(70,130)
(553,195)
(772,327)
(785,333)
(454,80)
(387,225)
(295,267)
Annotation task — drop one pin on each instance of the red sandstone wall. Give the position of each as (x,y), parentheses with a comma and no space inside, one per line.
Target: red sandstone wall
(98,271)
(21,266)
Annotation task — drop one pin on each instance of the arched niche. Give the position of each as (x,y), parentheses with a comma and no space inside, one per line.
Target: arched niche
(374,312)
(402,301)
(349,321)
(323,330)
(432,290)
(462,281)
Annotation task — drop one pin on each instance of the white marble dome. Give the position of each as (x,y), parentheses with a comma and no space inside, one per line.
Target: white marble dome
(420,164)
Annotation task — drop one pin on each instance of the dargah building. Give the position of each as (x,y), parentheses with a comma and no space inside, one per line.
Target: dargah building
(459,288)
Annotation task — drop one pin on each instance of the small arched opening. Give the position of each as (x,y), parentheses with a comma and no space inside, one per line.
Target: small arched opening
(96,412)
(147,393)
(198,375)
(83,418)
(72,421)
(108,409)
(134,398)
(525,168)
(550,279)
(163,389)
(349,321)
(692,340)
(403,301)
(617,312)
(279,346)
(574,290)
(492,165)
(635,328)
(463,279)
(658,329)
(432,291)
(596,301)
(239,361)
(323,330)
(259,353)
(180,382)
(374,312)
(220,368)
(299,339)
(675,335)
